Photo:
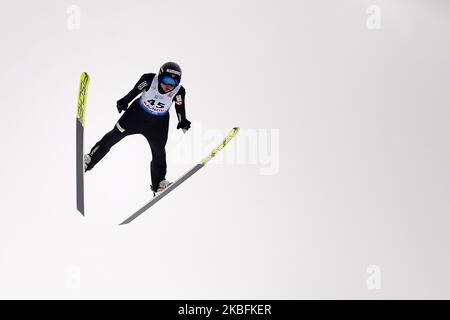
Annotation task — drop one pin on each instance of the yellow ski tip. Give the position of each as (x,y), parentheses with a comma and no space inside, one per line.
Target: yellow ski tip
(222,145)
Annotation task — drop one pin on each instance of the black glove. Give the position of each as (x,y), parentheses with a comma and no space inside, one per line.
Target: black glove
(184,124)
(121,105)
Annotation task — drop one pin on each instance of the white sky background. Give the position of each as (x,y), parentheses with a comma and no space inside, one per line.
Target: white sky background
(363,178)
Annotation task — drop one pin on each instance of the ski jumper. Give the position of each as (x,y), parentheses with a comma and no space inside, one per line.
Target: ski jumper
(149,116)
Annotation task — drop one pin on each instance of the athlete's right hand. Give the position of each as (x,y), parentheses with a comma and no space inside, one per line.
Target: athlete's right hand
(121,105)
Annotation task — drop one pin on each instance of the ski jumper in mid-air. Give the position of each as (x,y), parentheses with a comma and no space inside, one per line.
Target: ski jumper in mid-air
(149,116)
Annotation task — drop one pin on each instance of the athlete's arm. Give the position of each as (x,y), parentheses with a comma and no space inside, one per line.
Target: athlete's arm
(143,84)
(179,99)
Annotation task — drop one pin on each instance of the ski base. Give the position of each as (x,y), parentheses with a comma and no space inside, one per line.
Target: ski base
(80,168)
(162,194)
(81,109)
(184,177)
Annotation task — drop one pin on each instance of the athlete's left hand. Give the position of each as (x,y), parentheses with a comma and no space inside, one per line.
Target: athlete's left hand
(184,124)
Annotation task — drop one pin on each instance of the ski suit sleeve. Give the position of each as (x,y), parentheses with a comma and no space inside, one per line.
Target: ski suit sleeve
(143,83)
(180,104)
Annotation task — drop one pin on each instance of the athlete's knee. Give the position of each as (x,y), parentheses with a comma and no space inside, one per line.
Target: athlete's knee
(111,138)
(119,128)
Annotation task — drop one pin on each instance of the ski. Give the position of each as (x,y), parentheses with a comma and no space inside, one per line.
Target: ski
(184,177)
(81,109)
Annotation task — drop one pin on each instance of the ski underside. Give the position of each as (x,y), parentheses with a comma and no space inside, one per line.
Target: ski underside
(81,109)
(184,177)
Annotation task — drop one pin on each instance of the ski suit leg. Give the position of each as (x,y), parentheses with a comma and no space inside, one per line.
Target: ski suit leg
(127,125)
(156,135)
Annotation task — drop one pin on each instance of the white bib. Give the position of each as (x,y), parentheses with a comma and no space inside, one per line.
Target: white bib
(156,103)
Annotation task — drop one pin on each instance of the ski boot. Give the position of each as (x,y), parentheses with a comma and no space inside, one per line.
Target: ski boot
(87,161)
(163,185)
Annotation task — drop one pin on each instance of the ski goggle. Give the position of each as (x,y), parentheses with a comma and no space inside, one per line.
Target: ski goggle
(167,80)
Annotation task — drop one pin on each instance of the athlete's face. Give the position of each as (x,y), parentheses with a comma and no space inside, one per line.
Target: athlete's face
(167,87)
